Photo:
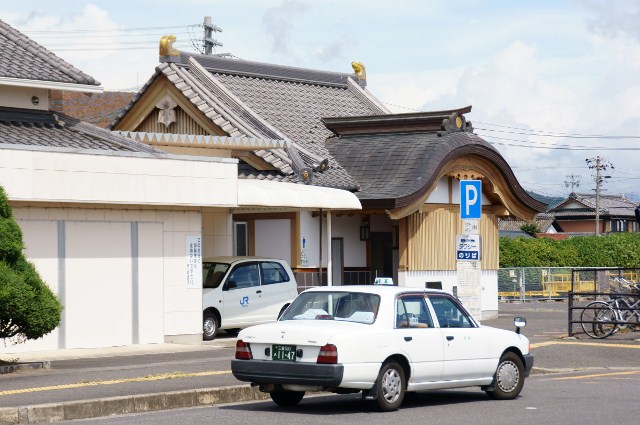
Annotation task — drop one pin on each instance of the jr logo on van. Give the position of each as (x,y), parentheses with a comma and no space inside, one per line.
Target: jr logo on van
(244,302)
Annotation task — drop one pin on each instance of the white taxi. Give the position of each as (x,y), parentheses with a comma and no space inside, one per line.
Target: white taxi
(382,341)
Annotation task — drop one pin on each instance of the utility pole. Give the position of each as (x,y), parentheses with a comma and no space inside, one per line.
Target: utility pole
(573,182)
(600,164)
(209,42)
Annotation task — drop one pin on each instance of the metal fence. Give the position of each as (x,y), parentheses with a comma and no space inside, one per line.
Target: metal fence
(555,283)
(607,304)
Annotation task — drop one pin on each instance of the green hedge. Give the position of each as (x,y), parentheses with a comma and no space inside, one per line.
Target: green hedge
(28,308)
(614,250)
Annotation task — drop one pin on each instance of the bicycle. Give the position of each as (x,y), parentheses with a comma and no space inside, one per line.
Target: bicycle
(599,319)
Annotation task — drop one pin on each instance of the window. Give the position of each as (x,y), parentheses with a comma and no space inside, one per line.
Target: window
(212,274)
(340,306)
(618,225)
(240,232)
(273,273)
(412,312)
(449,314)
(244,276)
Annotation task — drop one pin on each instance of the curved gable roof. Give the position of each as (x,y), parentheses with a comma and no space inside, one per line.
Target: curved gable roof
(396,168)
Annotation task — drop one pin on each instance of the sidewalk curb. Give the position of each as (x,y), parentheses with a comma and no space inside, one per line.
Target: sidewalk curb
(58,412)
(23,366)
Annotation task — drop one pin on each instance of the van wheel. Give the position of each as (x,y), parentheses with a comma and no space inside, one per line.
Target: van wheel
(211,326)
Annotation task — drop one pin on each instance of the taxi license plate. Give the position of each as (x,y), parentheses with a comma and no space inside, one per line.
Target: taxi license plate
(283,352)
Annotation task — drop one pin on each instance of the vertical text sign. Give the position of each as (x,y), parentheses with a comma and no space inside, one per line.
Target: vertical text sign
(194,262)
(470,199)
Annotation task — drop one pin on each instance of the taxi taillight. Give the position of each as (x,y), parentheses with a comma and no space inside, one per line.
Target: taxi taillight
(243,350)
(328,354)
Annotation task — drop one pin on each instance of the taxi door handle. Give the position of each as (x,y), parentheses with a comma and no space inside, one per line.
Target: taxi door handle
(449,338)
(408,338)
(259,291)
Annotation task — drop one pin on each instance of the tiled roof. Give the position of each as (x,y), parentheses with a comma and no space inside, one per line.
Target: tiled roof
(23,58)
(98,108)
(27,127)
(544,221)
(611,205)
(512,234)
(396,168)
(264,100)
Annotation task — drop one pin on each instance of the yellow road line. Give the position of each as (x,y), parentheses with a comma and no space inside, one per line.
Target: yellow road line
(591,344)
(597,375)
(172,375)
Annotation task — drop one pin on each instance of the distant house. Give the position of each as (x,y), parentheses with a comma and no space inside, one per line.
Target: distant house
(577,214)
(511,226)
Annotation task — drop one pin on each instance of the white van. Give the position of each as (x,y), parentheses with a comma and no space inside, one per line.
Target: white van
(243,291)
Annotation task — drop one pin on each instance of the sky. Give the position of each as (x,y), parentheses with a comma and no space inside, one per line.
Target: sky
(552,83)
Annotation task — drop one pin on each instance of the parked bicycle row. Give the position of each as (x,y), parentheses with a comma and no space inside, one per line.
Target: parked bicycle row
(600,314)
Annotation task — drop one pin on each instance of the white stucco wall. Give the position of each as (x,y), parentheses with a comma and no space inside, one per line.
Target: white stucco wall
(217,233)
(96,265)
(344,227)
(273,239)
(32,175)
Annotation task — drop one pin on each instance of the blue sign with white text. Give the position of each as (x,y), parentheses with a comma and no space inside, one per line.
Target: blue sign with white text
(470,199)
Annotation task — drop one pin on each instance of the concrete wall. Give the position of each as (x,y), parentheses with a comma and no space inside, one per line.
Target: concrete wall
(120,272)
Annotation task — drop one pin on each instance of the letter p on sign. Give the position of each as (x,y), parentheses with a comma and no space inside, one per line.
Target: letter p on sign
(470,199)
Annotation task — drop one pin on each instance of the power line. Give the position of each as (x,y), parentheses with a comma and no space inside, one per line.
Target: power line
(558,147)
(531,132)
(559,135)
(110,48)
(73,37)
(109,30)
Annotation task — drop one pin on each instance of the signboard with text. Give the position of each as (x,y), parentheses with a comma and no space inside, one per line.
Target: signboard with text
(194,262)
(468,248)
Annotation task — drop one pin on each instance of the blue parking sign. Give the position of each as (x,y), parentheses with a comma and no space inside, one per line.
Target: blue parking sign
(470,199)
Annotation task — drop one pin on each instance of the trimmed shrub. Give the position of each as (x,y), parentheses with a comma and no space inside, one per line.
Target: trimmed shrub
(613,250)
(28,307)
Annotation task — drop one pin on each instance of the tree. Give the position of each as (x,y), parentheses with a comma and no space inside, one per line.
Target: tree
(28,307)
(530,228)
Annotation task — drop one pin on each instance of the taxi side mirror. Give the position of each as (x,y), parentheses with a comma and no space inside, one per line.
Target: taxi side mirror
(519,322)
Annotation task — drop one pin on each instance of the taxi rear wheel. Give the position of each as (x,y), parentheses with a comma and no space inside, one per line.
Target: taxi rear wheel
(287,398)
(390,387)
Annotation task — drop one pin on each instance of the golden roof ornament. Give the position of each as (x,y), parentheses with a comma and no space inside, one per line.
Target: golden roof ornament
(167,52)
(358,68)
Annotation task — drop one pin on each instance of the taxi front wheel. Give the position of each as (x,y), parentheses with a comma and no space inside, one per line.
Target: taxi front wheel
(508,379)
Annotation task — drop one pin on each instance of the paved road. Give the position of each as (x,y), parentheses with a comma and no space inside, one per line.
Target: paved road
(557,399)
(207,366)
